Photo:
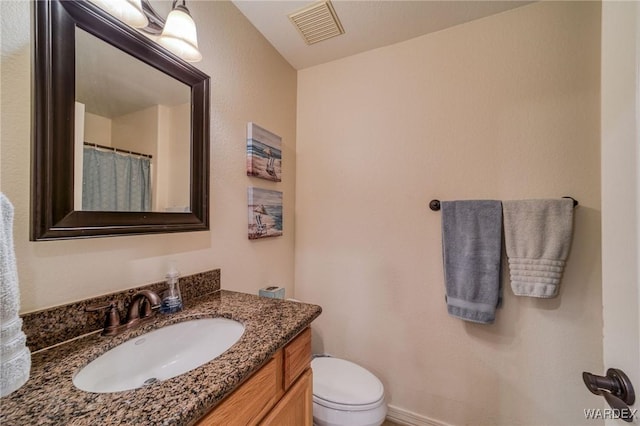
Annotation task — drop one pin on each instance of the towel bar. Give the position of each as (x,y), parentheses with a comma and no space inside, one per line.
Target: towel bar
(435,204)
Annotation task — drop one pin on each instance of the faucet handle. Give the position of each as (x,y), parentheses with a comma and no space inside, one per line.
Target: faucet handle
(112,320)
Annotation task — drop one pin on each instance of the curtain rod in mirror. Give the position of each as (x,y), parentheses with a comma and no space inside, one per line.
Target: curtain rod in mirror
(114,149)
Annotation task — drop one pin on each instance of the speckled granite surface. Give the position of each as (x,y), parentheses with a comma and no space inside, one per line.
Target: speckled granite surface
(55,325)
(49,397)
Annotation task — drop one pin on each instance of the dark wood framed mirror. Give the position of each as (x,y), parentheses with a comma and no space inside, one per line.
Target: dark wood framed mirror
(54,211)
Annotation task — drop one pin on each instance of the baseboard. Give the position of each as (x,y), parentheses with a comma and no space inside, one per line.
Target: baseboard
(408,418)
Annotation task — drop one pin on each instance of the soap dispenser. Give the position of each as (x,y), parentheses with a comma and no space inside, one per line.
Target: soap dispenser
(171,298)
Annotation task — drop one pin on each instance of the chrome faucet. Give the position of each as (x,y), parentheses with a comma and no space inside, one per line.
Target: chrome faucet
(141,308)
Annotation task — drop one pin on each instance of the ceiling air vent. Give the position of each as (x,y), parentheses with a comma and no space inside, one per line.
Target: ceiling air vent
(317,22)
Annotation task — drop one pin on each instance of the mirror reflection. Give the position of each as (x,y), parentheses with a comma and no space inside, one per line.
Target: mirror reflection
(132,133)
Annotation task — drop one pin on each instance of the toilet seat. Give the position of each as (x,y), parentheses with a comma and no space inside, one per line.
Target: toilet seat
(346,407)
(342,385)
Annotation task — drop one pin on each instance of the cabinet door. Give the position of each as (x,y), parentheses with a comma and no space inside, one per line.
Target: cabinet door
(296,406)
(297,357)
(252,400)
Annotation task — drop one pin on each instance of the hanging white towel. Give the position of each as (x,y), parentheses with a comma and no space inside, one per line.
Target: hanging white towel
(537,236)
(15,357)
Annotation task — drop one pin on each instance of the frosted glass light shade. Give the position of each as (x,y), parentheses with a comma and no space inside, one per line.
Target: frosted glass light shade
(128,11)
(179,35)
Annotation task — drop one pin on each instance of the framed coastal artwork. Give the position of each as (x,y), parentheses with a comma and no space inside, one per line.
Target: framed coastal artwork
(264,153)
(265,213)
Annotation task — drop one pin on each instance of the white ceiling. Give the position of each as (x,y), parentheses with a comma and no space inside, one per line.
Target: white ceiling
(368,24)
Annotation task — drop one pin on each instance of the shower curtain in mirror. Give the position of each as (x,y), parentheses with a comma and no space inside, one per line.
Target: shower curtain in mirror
(112,181)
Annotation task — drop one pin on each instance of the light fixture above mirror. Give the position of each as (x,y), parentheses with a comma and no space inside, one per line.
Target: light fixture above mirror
(128,11)
(177,34)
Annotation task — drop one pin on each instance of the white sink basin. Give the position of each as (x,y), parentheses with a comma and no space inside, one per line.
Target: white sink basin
(159,355)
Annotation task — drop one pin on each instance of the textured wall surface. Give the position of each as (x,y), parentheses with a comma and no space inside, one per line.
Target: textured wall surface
(250,81)
(506,107)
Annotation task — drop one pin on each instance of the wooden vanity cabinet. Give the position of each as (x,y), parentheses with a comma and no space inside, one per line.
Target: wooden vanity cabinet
(279,394)
(296,406)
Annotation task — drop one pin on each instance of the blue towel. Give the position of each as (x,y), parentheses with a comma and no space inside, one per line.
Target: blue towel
(471,248)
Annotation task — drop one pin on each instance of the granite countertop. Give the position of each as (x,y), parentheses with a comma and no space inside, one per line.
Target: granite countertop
(49,396)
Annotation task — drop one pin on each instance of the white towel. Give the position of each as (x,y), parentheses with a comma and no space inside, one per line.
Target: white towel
(537,236)
(15,357)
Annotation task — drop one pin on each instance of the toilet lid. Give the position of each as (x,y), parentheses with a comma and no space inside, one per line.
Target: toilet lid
(343,382)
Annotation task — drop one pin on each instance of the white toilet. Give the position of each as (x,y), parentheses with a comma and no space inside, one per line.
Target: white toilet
(345,394)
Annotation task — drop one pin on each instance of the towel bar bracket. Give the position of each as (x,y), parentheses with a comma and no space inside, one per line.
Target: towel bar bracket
(575,202)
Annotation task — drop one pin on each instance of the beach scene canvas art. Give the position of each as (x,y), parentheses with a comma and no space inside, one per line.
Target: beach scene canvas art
(264,153)
(265,213)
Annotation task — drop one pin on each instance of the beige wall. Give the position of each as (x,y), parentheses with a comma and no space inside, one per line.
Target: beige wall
(179,194)
(506,107)
(78,152)
(97,129)
(249,82)
(137,131)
